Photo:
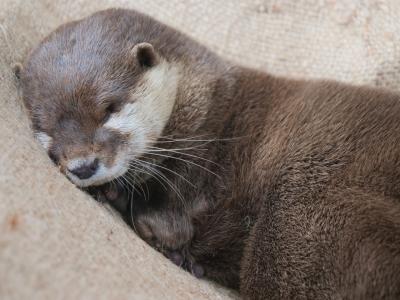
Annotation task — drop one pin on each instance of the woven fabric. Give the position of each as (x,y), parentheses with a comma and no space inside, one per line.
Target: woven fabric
(56,242)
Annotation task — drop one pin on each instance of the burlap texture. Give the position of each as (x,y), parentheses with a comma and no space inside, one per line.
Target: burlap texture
(57,243)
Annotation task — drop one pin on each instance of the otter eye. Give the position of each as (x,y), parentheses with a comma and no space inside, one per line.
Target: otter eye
(110,109)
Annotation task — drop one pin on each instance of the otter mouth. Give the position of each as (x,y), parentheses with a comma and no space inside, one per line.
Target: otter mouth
(100,176)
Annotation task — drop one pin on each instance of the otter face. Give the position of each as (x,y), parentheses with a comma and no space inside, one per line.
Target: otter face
(94,108)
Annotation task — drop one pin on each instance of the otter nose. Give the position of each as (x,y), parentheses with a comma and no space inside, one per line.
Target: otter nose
(86,170)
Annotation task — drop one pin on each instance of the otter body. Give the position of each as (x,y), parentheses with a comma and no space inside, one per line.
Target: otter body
(280,188)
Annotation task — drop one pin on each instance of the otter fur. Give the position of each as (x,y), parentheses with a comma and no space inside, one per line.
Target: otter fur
(280,188)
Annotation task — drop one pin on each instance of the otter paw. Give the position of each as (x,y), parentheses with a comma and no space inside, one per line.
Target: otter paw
(106,192)
(113,194)
(164,230)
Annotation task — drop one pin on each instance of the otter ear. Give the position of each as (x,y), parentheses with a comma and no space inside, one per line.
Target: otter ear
(145,55)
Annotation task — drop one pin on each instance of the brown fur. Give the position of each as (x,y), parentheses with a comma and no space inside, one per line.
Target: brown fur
(302,200)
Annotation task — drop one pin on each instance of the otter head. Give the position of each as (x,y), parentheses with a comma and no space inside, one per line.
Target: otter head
(97,98)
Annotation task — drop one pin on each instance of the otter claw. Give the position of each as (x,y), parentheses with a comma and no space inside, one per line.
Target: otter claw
(176,258)
(197,270)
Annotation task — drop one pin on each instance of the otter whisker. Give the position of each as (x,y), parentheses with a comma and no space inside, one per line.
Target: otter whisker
(130,201)
(169,170)
(131,176)
(187,154)
(129,185)
(136,179)
(197,139)
(119,181)
(166,180)
(131,211)
(187,161)
(147,172)
(181,149)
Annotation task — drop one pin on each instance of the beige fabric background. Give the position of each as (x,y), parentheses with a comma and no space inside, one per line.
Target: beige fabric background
(55,242)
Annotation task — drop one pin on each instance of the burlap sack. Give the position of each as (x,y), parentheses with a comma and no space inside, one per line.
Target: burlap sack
(55,242)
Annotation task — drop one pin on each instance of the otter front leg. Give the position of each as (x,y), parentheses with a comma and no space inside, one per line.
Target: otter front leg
(171,233)
(164,223)
(164,229)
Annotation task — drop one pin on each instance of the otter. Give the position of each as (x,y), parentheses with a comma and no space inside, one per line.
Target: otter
(279,188)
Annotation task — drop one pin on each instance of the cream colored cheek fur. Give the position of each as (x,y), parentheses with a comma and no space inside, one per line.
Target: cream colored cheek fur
(43,139)
(151,107)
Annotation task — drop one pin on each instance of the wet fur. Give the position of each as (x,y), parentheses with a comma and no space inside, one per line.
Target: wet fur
(304,202)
